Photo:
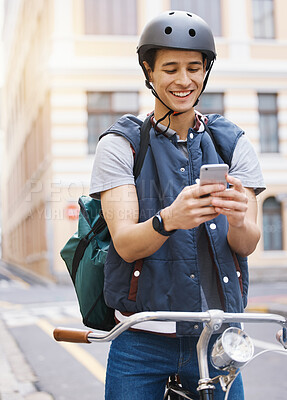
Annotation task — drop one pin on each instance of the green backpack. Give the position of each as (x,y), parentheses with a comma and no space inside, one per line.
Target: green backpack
(86,251)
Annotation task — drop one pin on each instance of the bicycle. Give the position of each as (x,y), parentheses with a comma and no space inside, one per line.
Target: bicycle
(232,350)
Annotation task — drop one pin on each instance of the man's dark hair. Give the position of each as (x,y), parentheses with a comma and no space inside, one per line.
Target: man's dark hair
(150,57)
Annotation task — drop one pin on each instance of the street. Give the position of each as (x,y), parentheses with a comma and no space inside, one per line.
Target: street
(31,310)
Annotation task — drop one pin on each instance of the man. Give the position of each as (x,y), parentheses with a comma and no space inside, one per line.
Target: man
(176,245)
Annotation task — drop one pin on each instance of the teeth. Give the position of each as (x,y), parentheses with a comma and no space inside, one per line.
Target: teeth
(181,94)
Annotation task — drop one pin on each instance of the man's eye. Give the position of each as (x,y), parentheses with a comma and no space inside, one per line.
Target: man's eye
(170,71)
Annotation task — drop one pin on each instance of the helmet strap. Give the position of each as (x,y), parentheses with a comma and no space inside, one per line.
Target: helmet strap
(168,114)
(171,111)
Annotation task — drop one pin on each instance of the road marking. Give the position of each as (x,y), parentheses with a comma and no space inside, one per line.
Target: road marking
(81,355)
(9,305)
(16,315)
(257,308)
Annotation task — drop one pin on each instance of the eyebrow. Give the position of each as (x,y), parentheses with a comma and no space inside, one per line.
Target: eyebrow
(175,63)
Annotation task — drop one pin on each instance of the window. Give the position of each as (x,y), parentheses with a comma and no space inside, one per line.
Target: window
(263,19)
(104,108)
(211,103)
(272,224)
(209,10)
(268,123)
(110,17)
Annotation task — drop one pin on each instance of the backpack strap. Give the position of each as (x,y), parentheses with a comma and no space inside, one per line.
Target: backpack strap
(144,142)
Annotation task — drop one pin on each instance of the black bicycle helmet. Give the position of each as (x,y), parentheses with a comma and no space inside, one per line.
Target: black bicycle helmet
(177,30)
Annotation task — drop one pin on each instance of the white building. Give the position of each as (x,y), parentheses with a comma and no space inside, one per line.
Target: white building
(71,69)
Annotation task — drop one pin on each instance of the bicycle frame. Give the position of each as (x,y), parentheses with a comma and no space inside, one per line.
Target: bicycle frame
(213,320)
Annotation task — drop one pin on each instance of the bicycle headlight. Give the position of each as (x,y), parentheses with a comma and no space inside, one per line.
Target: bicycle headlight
(232,349)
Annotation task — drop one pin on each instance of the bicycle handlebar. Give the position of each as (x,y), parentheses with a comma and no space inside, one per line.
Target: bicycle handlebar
(71,335)
(215,316)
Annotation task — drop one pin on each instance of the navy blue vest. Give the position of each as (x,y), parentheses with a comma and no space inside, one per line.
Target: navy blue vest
(168,280)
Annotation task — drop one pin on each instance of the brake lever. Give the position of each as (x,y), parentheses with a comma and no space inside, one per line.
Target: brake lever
(281,336)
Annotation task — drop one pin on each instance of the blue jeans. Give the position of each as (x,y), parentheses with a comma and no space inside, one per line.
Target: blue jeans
(139,365)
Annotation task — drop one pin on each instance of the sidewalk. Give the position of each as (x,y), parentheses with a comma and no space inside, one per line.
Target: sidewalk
(17,380)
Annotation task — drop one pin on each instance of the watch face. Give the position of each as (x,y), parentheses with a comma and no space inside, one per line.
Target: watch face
(156,223)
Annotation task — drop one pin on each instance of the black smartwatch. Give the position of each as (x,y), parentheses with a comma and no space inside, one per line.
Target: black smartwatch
(157,224)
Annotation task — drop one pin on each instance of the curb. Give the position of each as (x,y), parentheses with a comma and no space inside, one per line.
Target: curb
(17,380)
(26,275)
(39,396)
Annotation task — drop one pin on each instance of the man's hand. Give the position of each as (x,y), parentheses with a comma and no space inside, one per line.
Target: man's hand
(192,207)
(240,207)
(232,202)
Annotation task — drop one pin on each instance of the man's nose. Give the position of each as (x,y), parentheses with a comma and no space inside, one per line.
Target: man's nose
(183,78)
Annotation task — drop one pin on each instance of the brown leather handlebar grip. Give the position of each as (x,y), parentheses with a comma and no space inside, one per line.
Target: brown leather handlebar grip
(71,335)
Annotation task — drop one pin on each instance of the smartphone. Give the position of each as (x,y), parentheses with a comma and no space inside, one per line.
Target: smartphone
(213,173)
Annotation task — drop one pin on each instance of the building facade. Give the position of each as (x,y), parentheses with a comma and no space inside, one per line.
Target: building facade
(71,69)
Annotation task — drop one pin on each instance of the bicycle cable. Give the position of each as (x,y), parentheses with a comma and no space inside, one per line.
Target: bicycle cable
(248,362)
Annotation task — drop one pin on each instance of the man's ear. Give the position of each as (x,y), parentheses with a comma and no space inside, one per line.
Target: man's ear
(148,70)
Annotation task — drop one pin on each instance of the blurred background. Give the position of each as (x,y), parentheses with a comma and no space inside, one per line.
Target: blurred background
(70,69)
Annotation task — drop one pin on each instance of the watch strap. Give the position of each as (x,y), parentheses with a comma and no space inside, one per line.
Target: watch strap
(158,226)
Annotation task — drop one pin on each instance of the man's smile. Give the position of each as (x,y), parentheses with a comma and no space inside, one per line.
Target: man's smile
(182,94)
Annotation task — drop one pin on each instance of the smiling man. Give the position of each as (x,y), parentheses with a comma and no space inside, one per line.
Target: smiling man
(176,245)
(178,80)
